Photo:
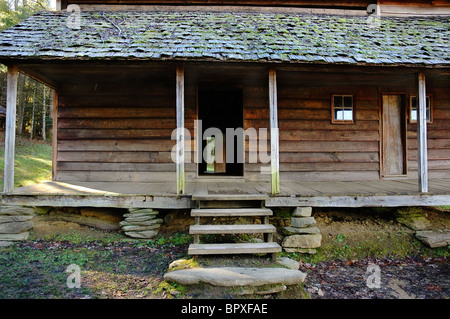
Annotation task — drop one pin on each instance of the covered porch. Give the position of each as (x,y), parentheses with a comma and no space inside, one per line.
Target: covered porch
(124,115)
(103,143)
(386,193)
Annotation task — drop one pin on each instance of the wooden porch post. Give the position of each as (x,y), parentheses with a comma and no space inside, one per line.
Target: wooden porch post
(55,136)
(274,141)
(180,130)
(10,127)
(422,152)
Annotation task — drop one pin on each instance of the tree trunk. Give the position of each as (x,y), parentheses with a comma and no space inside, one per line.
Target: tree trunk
(32,114)
(44,111)
(21,103)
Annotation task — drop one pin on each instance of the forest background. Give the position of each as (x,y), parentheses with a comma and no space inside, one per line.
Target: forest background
(34,99)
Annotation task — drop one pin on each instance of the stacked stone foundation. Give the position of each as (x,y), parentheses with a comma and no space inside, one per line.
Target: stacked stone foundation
(15,223)
(303,236)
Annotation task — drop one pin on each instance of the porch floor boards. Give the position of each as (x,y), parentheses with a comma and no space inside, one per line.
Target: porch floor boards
(292,193)
(288,188)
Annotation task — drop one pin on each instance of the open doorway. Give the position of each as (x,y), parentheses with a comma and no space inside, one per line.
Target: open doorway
(219,110)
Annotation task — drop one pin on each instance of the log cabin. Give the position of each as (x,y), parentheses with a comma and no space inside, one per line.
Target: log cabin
(165,104)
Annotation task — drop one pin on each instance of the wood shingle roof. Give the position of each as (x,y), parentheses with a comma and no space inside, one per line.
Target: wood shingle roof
(220,36)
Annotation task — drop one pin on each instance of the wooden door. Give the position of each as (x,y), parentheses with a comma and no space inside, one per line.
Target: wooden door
(394,136)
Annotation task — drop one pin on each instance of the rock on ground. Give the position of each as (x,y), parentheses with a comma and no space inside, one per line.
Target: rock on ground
(15,227)
(142,234)
(16,210)
(434,238)
(288,262)
(236,276)
(5,243)
(302,221)
(302,212)
(14,218)
(304,230)
(302,241)
(20,236)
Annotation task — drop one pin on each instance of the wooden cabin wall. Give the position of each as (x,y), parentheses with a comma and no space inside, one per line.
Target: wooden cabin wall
(256,116)
(314,149)
(117,131)
(121,131)
(438,136)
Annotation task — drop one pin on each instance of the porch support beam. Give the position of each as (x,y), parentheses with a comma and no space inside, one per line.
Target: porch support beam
(55,136)
(274,136)
(180,130)
(422,151)
(10,128)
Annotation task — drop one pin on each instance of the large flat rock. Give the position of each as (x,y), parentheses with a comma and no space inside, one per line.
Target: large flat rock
(236,276)
(434,239)
(15,227)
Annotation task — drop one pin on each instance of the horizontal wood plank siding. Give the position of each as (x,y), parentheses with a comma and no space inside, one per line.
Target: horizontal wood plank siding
(438,135)
(117,132)
(314,149)
(109,132)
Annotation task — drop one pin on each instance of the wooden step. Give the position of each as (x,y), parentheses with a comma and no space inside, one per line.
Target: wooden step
(236,248)
(231,229)
(231,212)
(230,197)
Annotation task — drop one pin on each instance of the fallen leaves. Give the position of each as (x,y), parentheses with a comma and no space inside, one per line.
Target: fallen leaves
(424,278)
(432,287)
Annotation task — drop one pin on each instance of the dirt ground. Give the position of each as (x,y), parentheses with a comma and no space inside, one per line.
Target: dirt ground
(365,254)
(400,277)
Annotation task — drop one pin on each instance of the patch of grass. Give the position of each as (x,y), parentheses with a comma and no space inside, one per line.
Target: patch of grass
(163,241)
(78,238)
(396,245)
(170,289)
(33,161)
(175,240)
(34,273)
(109,269)
(184,264)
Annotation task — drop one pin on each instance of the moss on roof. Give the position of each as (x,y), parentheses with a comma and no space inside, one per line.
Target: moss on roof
(223,36)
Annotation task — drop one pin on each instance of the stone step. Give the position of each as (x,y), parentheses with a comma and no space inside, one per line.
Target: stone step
(235,248)
(231,229)
(231,212)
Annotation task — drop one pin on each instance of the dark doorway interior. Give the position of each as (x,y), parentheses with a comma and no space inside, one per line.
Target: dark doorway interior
(221,109)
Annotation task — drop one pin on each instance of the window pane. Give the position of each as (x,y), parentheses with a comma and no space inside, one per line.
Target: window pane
(413,115)
(343,115)
(413,103)
(348,115)
(338,101)
(413,108)
(338,115)
(348,102)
